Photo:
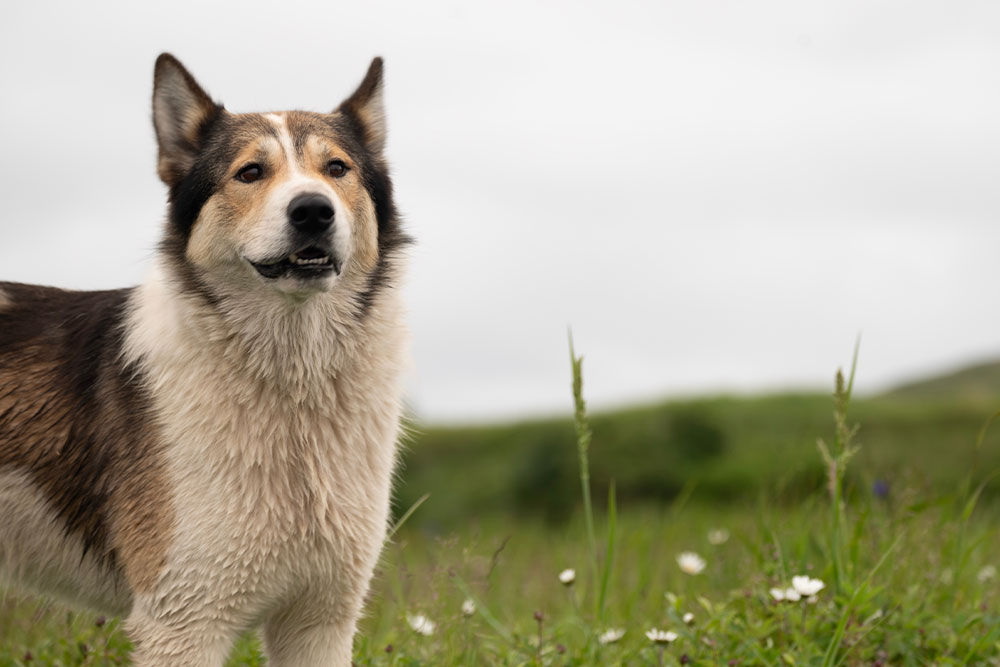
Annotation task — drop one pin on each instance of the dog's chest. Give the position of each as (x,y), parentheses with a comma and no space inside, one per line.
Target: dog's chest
(277,486)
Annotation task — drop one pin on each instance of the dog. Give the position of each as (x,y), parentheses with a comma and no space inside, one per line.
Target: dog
(213,451)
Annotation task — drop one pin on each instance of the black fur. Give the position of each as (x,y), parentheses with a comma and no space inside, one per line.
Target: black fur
(71,415)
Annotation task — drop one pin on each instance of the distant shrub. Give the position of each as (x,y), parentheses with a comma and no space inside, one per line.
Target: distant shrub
(696,438)
(544,481)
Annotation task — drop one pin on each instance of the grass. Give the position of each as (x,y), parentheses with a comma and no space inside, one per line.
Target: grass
(906,564)
(923,605)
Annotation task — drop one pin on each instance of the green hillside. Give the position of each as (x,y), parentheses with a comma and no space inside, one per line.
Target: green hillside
(979,383)
(917,439)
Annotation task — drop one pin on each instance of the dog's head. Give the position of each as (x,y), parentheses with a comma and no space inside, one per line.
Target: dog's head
(295,201)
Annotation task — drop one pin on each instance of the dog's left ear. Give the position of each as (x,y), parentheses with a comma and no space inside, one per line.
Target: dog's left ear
(182,111)
(366,107)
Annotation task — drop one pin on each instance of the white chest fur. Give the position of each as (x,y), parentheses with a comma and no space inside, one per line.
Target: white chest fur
(279,430)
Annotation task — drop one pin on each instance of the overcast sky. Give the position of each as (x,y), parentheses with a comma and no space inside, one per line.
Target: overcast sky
(716,196)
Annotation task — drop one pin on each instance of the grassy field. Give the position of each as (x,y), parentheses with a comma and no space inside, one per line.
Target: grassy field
(902,533)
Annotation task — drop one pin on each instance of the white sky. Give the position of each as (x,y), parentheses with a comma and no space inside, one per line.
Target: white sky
(715,195)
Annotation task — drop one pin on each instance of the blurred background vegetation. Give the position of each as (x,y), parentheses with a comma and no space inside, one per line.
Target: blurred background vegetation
(916,441)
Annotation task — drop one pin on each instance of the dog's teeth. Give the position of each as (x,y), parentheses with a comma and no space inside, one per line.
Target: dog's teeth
(295,259)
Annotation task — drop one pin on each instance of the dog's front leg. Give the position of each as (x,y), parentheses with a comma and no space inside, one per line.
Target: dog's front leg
(313,633)
(186,638)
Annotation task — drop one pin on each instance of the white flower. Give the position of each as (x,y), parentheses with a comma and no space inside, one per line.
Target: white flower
(806,586)
(786,594)
(661,636)
(469,607)
(718,536)
(690,562)
(812,599)
(611,635)
(567,576)
(988,573)
(421,624)
(688,618)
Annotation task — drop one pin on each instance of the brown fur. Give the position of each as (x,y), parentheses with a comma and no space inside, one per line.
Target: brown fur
(74,419)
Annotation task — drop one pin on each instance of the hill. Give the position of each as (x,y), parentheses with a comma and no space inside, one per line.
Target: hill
(979,383)
(714,450)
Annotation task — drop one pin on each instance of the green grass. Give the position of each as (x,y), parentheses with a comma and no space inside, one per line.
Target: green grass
(933,608)
(904,562)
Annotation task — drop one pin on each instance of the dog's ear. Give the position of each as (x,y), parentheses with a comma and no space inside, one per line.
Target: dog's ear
(182,112)
(365,106)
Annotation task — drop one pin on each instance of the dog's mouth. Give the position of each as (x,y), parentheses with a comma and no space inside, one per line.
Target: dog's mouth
(309,262)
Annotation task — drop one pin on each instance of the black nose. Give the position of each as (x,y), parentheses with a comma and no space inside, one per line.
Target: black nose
(310,213)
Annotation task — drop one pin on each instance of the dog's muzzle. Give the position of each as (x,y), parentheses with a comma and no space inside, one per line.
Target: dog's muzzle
(311,217)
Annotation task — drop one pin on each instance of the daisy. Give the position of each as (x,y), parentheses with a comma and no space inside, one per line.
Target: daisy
(661,636)
(567,576)
(469,607)
(718,536)
(806,586)
(421,624)
(690,562)
(611,635)
(785,594)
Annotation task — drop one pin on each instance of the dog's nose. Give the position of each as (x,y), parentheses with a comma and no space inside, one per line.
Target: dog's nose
(310,213)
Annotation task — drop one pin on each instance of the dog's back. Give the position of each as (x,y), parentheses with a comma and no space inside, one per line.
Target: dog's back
(71,417)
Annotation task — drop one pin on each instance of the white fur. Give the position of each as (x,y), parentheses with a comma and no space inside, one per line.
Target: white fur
(280,421)
(36,551)
(269,237)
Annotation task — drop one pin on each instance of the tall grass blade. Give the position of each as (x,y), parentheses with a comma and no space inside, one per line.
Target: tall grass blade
(854,367)
(609,558)
(583,436)
(830,657)
(836,461)
(988,637)
(986,427)
(406,515)
(683,496)
(961,551)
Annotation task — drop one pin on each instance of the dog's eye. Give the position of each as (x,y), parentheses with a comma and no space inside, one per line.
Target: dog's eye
(249,173)
(336,168)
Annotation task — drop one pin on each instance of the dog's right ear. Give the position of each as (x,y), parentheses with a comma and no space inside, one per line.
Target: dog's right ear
(182,112)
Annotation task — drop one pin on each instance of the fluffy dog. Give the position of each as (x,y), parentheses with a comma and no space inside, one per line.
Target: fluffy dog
(213,450)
